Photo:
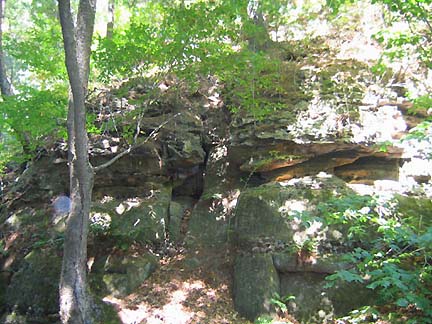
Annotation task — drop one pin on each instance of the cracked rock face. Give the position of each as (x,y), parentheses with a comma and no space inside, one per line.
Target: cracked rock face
(218,181)
(275,225)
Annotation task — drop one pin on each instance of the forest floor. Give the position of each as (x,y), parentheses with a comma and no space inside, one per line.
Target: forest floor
(185,291)
(180,293)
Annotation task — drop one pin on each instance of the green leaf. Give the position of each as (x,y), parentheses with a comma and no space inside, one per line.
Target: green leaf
(402,302)
(349,276)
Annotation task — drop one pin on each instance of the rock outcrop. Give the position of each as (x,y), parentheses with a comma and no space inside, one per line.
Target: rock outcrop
(280,229)
(202,176)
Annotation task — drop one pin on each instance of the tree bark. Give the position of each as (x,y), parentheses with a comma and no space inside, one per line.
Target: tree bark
(110,23)
(5,86)
(74,299)
(258,38)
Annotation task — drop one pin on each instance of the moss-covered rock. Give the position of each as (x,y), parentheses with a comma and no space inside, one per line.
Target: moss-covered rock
(104,313)
(34,288)
(282,211)
(178,211)
(210,221)
(136,219)
(209,224)
(282,233)
(285,263)
(313,302)
(120,274)
(256,281)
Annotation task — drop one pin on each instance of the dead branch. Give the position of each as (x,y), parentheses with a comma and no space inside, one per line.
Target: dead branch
(135,145)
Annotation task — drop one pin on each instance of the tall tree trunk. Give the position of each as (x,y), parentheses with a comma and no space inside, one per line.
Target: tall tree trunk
(74,299)
(5,86)
(258,37)
(110,23)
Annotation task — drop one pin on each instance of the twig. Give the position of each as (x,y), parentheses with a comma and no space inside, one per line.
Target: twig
(135,145)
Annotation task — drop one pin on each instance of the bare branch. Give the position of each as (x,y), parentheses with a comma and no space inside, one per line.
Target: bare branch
(424,15)
(138,127)
(135,145)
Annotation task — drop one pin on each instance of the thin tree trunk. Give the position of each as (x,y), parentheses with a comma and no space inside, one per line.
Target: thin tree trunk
(74,299)
(5,86)
(110,23)
(258,38)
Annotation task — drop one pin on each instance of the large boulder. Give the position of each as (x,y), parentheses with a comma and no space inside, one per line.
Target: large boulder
(119,274)
(179,211)
(256,281)
(33,289)
(281,211)
(315,303)
(210,221)
(140,219)
(283,236)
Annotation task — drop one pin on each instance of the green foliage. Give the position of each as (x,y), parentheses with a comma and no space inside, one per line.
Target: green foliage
(277,155)
(258,83)
(127,52)
(31,120)
(307,247)
(422,103)
(421,132)
(43,241)
(10,150)
(263,320)
(416,40)
(341,210)
(363,315)
(402,44)
(35,116)
(91,124)
(269,320)
(181,37)
(398,262)
(335,5)
(348,276)
(410,9)
(383,146)
(202,38)
(46,64)
(100,223)
(281,302)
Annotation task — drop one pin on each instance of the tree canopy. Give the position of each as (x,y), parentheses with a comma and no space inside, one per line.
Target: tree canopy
(182,37)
